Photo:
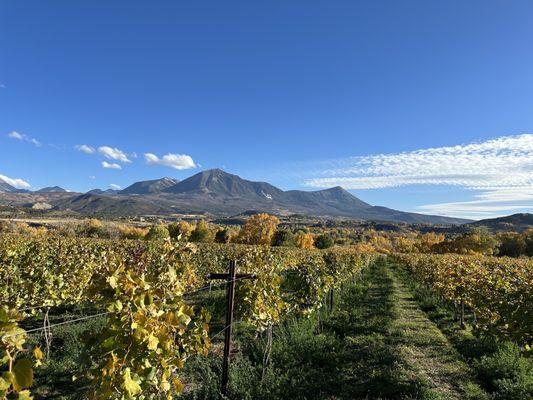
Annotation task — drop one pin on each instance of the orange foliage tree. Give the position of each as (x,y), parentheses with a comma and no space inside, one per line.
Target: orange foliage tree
(259,229)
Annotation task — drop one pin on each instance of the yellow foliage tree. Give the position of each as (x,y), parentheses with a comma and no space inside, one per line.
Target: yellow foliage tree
(259,229)
(305,241)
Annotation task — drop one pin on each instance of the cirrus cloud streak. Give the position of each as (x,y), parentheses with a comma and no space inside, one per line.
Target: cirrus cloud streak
(505,162)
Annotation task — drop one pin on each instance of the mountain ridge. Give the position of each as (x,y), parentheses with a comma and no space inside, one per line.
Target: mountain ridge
(221,194)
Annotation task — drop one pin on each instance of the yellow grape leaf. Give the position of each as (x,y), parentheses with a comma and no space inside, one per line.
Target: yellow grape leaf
(152,342)
(4,384)
(25,395)
(23,372)
(178,385)
(129,385)
(38,354)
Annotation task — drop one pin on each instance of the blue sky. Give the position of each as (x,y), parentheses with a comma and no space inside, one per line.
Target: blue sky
(303,94)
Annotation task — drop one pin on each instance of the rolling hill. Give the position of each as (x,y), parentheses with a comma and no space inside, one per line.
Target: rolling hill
(515,222)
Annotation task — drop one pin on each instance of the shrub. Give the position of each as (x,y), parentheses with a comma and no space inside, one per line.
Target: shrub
(132,232)
(222,236)
(92,228)
(157,232)
(323,241)
(283,237)
(180,230)
(201,233)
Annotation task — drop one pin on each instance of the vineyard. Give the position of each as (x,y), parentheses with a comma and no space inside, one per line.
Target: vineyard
(153,300)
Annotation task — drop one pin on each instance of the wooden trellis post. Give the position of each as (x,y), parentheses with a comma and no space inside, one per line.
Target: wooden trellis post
(230,278)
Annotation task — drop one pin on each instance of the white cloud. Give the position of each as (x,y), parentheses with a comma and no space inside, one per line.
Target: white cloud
(107,165)
(176,161)
(16,182)
(486,204)
(113,154)
(115,187)
(16,135)
(92,177)
(506,162)
(25,138)
(85,148)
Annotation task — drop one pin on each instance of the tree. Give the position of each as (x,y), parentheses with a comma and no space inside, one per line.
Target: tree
(528,239)
(476,242)
(283,237)
(426,241)
(259,229)
(304,240)
(157,232)
(201,233)
(222,236)
(180,230)
(511,244)
(323,241)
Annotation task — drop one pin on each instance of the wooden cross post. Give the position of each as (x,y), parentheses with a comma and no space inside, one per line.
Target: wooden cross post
(230,278)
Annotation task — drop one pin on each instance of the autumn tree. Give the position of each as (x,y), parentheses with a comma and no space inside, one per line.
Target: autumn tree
(477,242)
(305,240)
(259,229)
(202,232)
(180,230)
(426,241)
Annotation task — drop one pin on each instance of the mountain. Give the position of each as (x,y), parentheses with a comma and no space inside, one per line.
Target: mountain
(219,194)
(6,187)
(100,191)
(110,206)
(515,222)
(218,183)
(51,189)
(152,186)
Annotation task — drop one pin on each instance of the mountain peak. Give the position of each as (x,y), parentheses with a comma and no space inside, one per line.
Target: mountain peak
(52,189)
(150,186)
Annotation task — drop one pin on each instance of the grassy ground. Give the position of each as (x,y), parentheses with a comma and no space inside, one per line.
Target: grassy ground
(376,344)
(499,366)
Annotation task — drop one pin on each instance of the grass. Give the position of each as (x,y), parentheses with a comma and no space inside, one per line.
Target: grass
(502,371)
(375,344)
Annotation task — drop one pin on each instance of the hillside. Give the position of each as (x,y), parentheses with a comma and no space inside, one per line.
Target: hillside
(51,189)
(6,187)
(515,222)
(151,186)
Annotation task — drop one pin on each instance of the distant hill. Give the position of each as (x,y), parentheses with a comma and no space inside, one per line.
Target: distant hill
(152,186)
(51,189)
(220,194)
(100,191)
(110,206)
(515,222)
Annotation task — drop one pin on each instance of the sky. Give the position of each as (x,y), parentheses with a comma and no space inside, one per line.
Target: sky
(422,106)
